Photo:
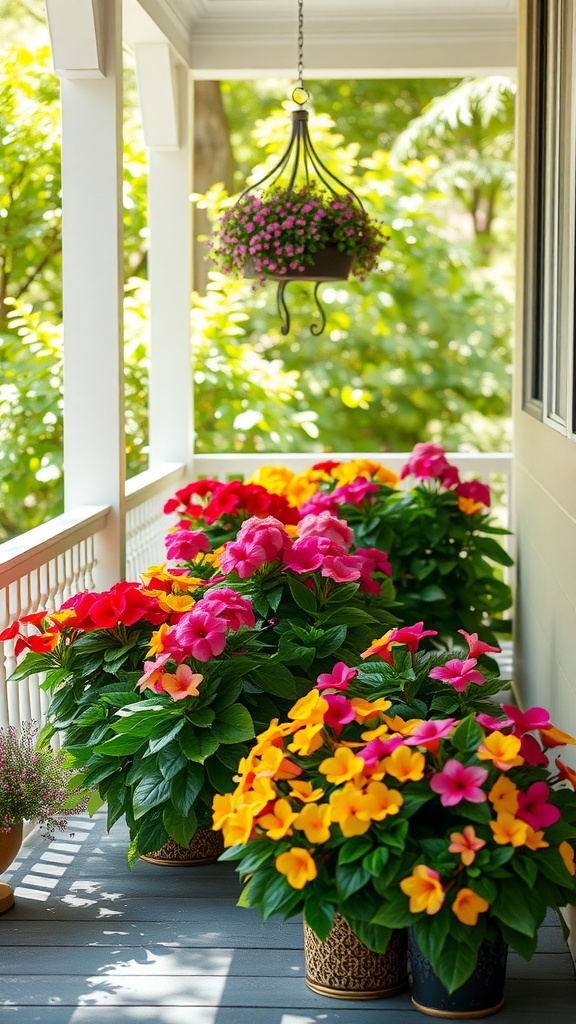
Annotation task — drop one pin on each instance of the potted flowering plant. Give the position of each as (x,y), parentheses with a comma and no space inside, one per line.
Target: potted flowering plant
(283,233)
(34,785)
(441,540)
(459,828)
(158,687)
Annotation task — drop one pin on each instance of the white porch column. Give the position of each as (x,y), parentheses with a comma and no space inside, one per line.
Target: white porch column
(94,444)
(163,86)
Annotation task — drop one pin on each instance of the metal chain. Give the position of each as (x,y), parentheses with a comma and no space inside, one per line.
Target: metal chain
(300,43)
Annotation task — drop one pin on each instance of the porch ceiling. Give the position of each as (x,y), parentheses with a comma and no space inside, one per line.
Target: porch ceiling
(368,38)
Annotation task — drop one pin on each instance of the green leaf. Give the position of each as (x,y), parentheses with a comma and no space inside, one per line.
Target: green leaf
(161,741)
(142,723)
(319,915)
(468,736)
(151,836)
(202,717)
(120,745)
(355,848)
(493,550)
(455,963)
(171,760)
(350,878)
(519,908)
(303,596)
(233,725)
(197,746)
(180,827)
(185,787)
(219,775)
(117,799)
(149,793)
(275,679)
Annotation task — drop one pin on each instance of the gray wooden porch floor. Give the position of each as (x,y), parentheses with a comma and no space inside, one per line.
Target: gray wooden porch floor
(91,942)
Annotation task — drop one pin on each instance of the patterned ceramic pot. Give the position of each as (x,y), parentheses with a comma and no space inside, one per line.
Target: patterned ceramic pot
(204,848)
(344,968)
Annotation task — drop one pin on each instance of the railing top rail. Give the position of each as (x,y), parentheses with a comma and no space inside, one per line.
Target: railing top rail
(38,546)
(152,481)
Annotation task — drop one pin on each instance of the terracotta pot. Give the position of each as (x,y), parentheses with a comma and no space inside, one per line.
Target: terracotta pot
(344,968)
(329,265)
(204,848)
(480,996)
(10,843)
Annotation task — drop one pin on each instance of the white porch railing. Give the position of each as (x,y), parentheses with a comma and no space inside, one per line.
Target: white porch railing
(45,566)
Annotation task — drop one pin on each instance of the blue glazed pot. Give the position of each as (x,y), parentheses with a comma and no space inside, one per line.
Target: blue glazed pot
(481,995)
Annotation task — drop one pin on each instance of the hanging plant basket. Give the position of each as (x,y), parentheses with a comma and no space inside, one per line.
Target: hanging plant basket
(329,264)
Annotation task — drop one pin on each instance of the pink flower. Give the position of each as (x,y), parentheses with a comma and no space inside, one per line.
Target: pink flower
(532,752)
(426,461)
(534,809)
(458,673)
(305,555)
(150,679)
(354,493)
(268,534)
(197,634)
(456,782)
(476,646)
(475,491)
(241,558)
(428,734)
(412,635)
(320,503)
(184,545)
(340,711)
(374,559)
(492,724)
(337,679)
(229,605)
(341,568)
(327,525)
(527,721)
(379,748)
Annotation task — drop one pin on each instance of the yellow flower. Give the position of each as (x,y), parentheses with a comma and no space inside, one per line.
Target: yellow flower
(468,506)
(276,479)
(535,840)
(344,765)
(304,485)
(351,808)
(273,733)
(508,829)
(307,740)
(314,821)
(297,865)
(154,572)
(383,643)
(502,750)
(468,905)
(566,851)
(424,889)
(346,472)
(222,807)
(554,737)
(504,795)
(372,734)
(386,801)
(263,791)
(277,823)
(398,724)
(175,602)
(304,791)
(310,709)
(237,826)
(405,764)
(368,709)
(157,641)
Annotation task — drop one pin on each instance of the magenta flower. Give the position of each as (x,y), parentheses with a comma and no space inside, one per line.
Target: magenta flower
(229,605)
(474,490)
(341,568)
(355,492)
(534,809)
(305,555)
(184,545)
(340,711)
(320,502)
(379,748)
(429,733)
(241,558)
(492,724)
(456,782)
(426,461)
(532,752)
(268,533)
(477,646)
(412,635)
(327,525)
(197,634)
(337,679)
(374,559)
(527,721)
(458,673)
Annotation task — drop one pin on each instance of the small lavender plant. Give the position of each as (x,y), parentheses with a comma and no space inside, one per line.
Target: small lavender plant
(33,782)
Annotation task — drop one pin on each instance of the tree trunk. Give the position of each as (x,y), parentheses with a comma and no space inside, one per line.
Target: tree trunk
(213,162)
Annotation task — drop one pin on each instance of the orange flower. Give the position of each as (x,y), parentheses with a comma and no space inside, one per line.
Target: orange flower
(277,823)
(468,905)
(508,829)
(469,506)
(398,724)
(273,735)
(504,795)
(553,737)
(467,844)
(157,641)
(405,764)
(381,646)
(501,749)
(263,791)
(343,766)
(222,807)
(314,821)
(237,826)
(297,865)
(535,840)
(566,851)
(276,479)
(424,889)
